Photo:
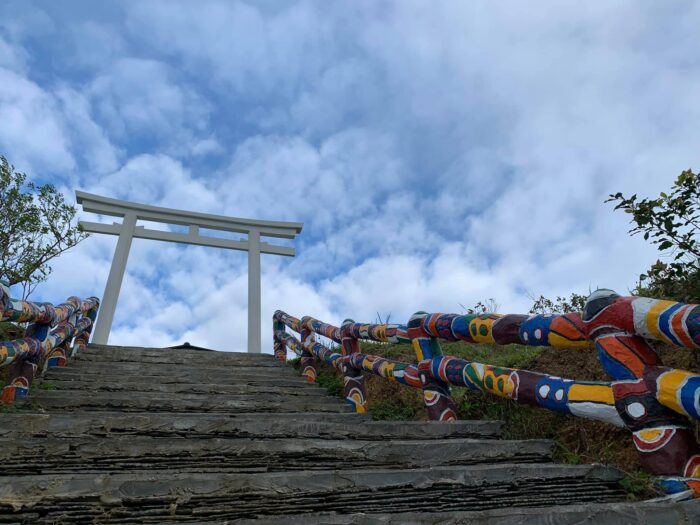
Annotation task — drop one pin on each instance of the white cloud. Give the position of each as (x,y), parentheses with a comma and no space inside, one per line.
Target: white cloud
(141,97)
(12,57)
(89,139)
(32,132)
(236,45)
(207,146)
(158,180)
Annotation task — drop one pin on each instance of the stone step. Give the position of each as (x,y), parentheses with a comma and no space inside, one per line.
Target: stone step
(135,453)
(157,369)
(189,377)
(155,401)
(140,350)
(628,513)
(161,496)
(126,385)
(283,425)
(176,356)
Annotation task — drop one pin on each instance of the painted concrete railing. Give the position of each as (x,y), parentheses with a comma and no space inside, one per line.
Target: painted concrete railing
(54,333)
(654,402)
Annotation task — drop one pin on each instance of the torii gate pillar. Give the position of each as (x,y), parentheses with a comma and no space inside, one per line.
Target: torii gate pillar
(127,230)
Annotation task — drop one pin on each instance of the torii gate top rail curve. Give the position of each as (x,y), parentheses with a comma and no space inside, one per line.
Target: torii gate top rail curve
(127,230)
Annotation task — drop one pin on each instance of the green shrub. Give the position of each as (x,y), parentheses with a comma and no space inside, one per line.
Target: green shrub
(331,381)
(391,410)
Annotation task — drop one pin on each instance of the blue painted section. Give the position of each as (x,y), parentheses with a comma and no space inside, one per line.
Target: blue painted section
(693,324)
(535,330)
(553,393)
(665,323)
(671,485)
(460,327)
(612,367)
(690,396)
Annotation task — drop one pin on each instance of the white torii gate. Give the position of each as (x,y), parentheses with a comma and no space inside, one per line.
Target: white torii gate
(127,230)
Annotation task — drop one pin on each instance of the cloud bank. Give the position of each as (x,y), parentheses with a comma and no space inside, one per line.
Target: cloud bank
(438,154)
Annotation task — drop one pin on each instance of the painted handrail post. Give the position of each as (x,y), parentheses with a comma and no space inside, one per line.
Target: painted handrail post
(56,356)
(17,369)
(47,340)
(22,372)
(83,338)
(436,393)
(308,370)
(353,379)
(19,378)
(663,438)
(279,346)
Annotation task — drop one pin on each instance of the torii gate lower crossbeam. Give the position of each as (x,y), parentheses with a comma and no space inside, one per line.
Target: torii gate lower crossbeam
(133,212)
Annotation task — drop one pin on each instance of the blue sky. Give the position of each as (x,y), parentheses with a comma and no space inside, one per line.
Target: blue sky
(439,153)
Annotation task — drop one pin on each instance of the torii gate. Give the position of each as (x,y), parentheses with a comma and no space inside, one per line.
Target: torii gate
(127,230)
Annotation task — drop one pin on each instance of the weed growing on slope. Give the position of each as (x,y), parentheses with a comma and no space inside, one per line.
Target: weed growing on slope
(331,380)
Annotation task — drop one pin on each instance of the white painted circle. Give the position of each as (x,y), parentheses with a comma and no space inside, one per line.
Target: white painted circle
(525,336)
(538,334)
(559,394)
(636,410)
(544,391)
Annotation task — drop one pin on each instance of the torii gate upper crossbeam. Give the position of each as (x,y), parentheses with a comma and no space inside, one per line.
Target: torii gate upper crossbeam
(128,230)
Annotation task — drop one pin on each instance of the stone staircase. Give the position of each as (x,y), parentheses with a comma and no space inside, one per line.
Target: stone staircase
(142,435)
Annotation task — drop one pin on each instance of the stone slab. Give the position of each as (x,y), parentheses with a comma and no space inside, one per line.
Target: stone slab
(116,453)
(303,424)
(154,401)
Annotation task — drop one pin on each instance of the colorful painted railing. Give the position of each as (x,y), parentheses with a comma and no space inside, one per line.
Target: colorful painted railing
(654,402)
(53,334)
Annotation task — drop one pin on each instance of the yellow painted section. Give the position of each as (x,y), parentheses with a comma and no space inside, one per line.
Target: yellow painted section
(591,393)
(387,369)
(650,434)
(417,349)
(668,385)
(558,341)
(381,333)
(508,385)
(479,323)
(652,319)
(359,403)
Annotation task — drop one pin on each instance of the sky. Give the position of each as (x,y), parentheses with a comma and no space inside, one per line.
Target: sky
(438,153)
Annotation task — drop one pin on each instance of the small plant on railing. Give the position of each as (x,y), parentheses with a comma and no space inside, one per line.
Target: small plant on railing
(53,334)
(654,402)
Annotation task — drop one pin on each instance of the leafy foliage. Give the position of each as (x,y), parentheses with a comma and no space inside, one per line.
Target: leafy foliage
(36,227)
(561,305)
(672,223)
(330,381)
(487,306)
